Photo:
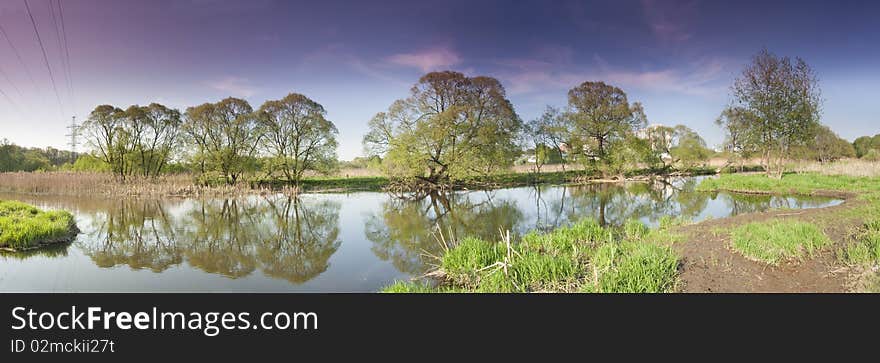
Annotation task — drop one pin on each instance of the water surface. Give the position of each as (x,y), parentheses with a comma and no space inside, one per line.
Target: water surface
(324,242)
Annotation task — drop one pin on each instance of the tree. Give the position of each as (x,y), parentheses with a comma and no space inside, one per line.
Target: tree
(106,132)
(777,104)
(863,145)
(689,149)
(548,137)
(829,147)
(738,141)
(451,127)
(225,135)
(297,135)
(155,131)
(599,114)
(677,145)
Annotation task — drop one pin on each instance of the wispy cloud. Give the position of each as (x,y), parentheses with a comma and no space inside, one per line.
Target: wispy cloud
(705,77)
(234,86)
(426,60)
(670,20)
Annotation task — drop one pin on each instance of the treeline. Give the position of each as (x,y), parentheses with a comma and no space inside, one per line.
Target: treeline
(221,141)
(453,127)
(17,158)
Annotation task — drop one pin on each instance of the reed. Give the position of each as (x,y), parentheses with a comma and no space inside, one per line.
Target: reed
(847,167)
(85,183)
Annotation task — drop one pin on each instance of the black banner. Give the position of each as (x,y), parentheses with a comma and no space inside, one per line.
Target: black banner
(383,325)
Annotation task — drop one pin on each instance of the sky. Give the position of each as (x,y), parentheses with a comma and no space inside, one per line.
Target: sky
(678,58)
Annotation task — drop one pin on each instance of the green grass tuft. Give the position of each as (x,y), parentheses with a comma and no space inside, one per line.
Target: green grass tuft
(778,241)
(633,268)
(583,257)
(23,226)
(865,250)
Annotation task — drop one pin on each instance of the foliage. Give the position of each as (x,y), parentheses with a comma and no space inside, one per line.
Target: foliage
(224,136)
(776,107)
(297,136)
(871,155)
(826,147)
(89,163)
(17,158)
(599,114)
(863,145)
(548,134)
(625,154)
(677,146)
(137,141)
(24,226)
(451,127)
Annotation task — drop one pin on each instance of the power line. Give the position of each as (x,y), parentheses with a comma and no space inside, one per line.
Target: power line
(18,55)
(51,7)
(66,53)
(11,102)
(45,57)
(9,80)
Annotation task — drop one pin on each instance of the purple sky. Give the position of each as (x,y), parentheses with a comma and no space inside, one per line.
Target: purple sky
(677,57)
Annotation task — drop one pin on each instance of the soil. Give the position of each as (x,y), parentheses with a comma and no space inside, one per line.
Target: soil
(710,265)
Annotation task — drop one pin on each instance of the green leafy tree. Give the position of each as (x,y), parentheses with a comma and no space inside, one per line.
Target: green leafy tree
(828,146)
(863,145)
(155,134)
(451,127)
(547,134)
(598,115)
(297,136)
(105,129)
(777,107)
(690,149)
(225,137)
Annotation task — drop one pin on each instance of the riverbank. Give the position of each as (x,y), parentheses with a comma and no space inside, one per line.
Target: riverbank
(584,257)
(832,249)
(184,185)
(841,253)
(24,227)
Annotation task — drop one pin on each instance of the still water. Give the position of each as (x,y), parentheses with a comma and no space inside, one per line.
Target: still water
(323,242)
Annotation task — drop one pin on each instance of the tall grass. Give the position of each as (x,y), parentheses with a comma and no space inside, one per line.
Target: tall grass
(847,167)
(23,226)
(778,241)
(584,257)
(84,183)
(865,250)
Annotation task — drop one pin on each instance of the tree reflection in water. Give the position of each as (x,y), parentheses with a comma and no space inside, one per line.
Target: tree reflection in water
(406,231)
(284,237)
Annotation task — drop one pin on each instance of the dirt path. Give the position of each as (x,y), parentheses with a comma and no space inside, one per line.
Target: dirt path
(709,265)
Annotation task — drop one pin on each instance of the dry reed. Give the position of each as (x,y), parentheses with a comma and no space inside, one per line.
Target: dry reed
(849,167)
(78,183)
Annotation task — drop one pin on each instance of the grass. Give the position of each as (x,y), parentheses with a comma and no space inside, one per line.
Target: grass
(23,226)
(860,248)
(584,257)
(865,249)
(778,241)
(850,167)
(790,183)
